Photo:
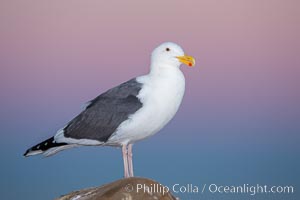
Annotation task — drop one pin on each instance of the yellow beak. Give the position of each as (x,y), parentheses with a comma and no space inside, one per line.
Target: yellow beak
(188,60)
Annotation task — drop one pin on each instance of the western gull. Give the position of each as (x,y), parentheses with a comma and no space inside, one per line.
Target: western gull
(129,112)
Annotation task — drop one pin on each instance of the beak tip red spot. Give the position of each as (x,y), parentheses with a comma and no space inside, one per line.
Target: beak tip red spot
(190,64)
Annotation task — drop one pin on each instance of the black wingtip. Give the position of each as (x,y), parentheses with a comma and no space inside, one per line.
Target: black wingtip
(42,147)
(26,153)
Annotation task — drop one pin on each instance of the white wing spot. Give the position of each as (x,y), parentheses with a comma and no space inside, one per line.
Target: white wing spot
(46,143)
(38,147)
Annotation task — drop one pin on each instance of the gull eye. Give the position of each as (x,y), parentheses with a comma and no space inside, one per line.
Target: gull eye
(168,49)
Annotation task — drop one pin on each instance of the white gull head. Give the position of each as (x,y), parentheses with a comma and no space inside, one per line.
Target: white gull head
(169,54)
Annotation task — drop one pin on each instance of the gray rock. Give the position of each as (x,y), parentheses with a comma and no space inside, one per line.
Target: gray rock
(134,188)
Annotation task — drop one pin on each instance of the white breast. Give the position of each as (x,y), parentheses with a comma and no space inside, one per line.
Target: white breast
(161,96)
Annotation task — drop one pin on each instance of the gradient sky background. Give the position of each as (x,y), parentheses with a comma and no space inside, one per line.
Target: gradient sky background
(239,121)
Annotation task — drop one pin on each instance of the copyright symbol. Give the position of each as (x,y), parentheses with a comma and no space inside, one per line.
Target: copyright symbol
(128,188)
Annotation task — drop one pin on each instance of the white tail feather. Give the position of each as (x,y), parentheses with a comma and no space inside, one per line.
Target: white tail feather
(55,150)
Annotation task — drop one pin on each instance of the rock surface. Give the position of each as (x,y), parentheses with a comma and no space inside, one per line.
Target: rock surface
(124,189)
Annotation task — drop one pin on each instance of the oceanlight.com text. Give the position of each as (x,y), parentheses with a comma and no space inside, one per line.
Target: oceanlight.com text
(212,188)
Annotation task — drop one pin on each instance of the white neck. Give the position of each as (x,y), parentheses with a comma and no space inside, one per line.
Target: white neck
(162,68)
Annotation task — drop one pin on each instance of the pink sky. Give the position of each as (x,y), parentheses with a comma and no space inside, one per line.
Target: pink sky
(64,52)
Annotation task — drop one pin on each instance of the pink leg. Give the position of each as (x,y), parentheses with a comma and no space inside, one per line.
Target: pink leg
(125,159)
(130,163)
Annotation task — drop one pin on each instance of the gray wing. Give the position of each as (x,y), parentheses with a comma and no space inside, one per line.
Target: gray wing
(105,113)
